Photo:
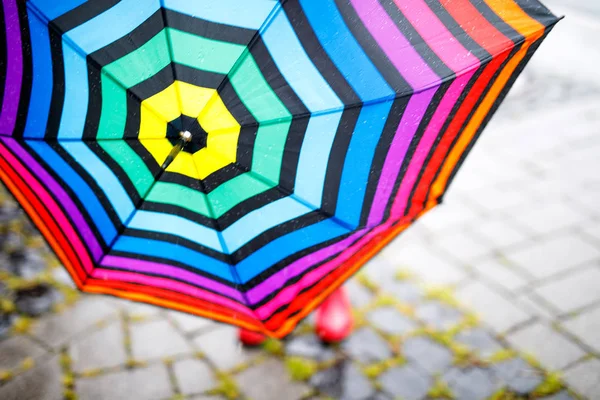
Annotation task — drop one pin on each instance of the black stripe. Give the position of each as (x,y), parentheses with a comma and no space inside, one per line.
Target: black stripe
(416,40)
(71,194)
(497,22)
(471,113)
(197,77)
(81,14)
(463,96)
(207,29)
(457,30)
(26,83)
(337,159)
(538,11)
(66,214)
(318,55)
(495,106)
(131,41)
(58,87)
(423,124)
(381,151)
(3,57)
(372,49)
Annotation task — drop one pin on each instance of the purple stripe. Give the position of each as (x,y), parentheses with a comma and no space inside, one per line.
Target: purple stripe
(60,195)
(170,271)
(399,50)
(278,280)
(415,110)
(14,68)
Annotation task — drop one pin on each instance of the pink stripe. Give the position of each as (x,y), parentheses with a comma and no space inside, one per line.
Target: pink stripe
(54,210)
(409,123)
(398,49)
(426,142)
(278,280)
(437,36)
(175,286)
(288,294)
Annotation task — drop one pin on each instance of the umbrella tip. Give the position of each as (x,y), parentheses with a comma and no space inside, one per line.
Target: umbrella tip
(186,136)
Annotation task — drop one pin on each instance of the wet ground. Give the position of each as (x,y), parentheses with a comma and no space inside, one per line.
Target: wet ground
(492,295)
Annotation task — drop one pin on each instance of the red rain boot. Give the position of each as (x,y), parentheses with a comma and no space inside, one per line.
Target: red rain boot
(251,338)
(334,318)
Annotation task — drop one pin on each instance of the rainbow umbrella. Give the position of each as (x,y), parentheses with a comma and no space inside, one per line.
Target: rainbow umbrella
(240,159)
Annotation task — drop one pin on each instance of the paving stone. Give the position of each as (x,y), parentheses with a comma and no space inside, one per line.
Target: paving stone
(308,346)
(552,349)
(156,339)
(471,383)
(193,376)
(380,396)
(438,315)
(479,340)
(270,381)
(42,382)
(389,320)
(463,246)
(584,378)
(586,326)
(358,294)
(140,309)
(499,232)
(367,346)
(495,310)
(564,395)
(405,291)
(190,323)
(535,307)
(14,350)
(430,355)
(89,351)
(546,218)
(407,382)
(518,375)
(498,198)
(549,256)
(572,292)
(494,271)
(593,230)
(424,263)
(447,216)
(57,329)
(150,383)
(223,348)
(343,381)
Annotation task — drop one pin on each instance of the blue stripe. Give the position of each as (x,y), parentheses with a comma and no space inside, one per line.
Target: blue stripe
(249,14)
(55,8)
(359,158)
(287,245)
(171,251)
(83,192)
(112,24)
(74,112)
(41,87)
(176,225)
(296,67)
(344,50)
(104,177)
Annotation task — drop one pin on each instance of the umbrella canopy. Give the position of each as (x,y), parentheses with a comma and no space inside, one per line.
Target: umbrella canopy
(240,159)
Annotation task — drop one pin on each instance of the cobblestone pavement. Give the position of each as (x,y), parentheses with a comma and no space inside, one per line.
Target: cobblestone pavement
(495,294)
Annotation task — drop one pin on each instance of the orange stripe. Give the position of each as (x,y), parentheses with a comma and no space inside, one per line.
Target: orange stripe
(47,227)
(518,19)
(483,110)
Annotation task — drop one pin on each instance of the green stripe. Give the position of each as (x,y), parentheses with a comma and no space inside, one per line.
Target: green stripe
(178,195)
(142,63)
(268,150)
(201,53)
(135,168)
(114,109)
(255,92)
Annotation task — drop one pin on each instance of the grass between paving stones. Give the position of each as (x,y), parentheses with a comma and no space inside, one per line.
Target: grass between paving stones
(226,387)
(68,378)
(301,369)
(440,390)
(373,371)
